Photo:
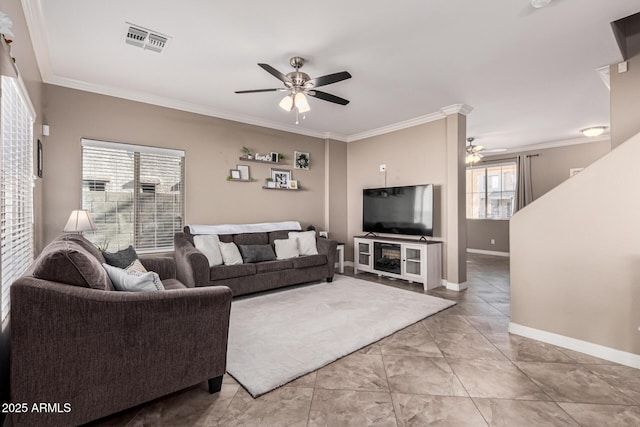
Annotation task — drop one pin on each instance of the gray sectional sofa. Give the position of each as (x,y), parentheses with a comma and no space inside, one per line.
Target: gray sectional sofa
(75,340)
(192,266)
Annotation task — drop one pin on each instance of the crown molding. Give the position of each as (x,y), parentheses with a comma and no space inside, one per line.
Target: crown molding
(185,106)
(605,75)
(463,109)
(396,126)
(35,23)
(556,144)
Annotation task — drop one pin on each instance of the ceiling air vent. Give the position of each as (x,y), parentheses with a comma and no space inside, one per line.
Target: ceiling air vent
(145,38)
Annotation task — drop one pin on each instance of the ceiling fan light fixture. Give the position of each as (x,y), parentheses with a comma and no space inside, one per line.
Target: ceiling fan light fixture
(594,131)
(301,102)
(540,3)
(287,103)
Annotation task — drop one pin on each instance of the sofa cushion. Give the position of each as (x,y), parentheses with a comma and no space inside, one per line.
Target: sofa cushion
(251,239)
(82,241)
(65,261)
(278,235)
(226,238)
(256,253)
(209,245)
(270,266)
(133,281)
(121,259)
(309,261)
(306,242)
(286,248)
(230,253)
(222,272)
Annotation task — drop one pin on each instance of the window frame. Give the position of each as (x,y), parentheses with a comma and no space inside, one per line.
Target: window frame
(486,189)
(139,182)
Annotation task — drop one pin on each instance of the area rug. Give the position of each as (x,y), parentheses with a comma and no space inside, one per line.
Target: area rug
(279,336)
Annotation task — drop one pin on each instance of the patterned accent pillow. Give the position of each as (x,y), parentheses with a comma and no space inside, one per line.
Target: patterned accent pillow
(136,267)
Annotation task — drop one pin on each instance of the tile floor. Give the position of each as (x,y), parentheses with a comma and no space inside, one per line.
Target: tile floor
(459,367)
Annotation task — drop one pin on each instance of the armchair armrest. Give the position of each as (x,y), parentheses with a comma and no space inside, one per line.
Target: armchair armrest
(165,266)
(329,248)
(192,266)
(104,351)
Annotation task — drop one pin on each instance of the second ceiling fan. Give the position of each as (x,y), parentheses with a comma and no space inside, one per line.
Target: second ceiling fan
(300,85)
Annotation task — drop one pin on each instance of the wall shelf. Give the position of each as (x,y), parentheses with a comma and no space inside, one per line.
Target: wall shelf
(241,180)
(283,189)
(244,159)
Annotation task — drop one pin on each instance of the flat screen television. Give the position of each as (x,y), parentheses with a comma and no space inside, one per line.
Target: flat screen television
(398,210)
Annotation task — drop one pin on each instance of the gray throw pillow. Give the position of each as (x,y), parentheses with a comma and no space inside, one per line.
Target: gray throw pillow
(134,281)
(122,258)
(256,253)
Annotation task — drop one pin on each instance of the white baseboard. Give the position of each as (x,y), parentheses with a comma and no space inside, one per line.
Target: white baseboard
(482,251)
(596,350)
(454,286)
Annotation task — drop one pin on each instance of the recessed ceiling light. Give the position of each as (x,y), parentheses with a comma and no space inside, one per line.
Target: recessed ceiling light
(593,131)
(540,3)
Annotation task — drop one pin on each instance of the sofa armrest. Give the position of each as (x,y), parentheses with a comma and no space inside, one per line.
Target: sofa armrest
(192,266)
(105,351)
(328,247)
(165,266)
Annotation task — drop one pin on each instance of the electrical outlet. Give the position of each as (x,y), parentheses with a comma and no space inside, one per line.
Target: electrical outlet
(383,168)
(493,241)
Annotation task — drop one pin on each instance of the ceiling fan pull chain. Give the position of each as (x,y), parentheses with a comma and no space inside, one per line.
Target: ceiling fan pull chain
(297,121)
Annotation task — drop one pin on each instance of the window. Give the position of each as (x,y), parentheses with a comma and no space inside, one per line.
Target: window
(134,194)
(491,191)
(94,185)
(16,185)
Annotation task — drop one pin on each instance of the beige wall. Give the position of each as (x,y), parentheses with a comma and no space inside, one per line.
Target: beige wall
(625,102)
(212,148)
(575,258)
(336,193)
(548,170)
(415,155)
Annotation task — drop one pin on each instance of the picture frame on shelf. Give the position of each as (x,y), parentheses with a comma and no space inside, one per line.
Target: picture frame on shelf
(244,172)
(301,160)
(234,173)
(274,157)
(293,184)
(281,177)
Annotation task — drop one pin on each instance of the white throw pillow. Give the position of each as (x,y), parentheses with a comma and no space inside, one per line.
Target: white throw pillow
(286,248)
(306,242)
(209,245)
(230,253)
(134,281)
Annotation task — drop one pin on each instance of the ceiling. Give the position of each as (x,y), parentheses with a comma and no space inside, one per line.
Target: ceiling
(529,74)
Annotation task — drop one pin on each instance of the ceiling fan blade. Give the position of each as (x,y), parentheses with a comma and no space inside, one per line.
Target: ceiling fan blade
(328,79)
(327,97)
(275,73)
(260,90)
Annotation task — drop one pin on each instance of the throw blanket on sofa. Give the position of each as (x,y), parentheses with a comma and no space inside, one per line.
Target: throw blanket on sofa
(263,227)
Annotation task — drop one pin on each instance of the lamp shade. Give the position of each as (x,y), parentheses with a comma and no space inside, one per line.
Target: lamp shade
(287,103)
(79,221)
(301,102)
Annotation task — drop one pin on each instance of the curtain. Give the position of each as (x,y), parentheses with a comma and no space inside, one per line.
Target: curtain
(524,189)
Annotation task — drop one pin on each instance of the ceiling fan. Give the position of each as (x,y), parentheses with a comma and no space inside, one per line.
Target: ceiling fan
(299,84)
(473,152)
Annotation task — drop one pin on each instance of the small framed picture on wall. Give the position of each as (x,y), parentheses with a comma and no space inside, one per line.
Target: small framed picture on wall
(301,160)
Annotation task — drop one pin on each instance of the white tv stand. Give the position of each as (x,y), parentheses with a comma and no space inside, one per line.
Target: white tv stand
(412,260)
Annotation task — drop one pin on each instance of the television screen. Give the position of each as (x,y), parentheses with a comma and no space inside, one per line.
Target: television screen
(398,210)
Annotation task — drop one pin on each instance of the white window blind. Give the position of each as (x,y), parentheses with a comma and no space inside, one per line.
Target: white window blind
(16,187)
(140,199)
